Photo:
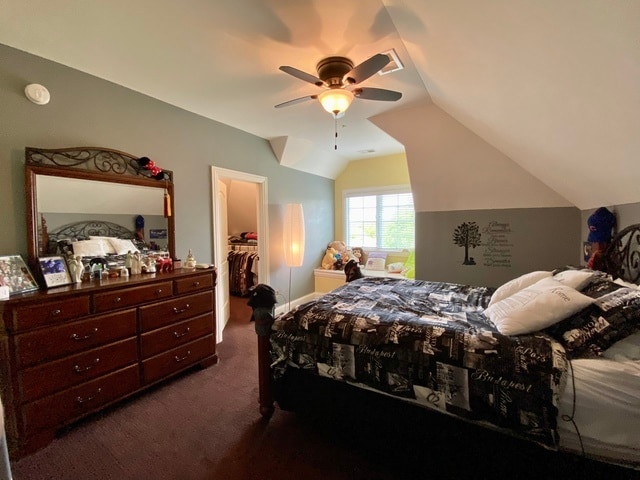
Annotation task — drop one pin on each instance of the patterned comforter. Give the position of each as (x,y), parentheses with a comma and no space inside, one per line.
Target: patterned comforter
(429,343)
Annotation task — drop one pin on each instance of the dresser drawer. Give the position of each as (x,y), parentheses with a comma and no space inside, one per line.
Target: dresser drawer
(175,335)
(194,284)
(177,359)
(172,311)
(49,313)
(51,377)
(61,408)
(56,342)
(113,300)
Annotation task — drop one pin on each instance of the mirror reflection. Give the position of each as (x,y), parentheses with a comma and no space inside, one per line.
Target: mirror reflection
(97,202)
(65,202)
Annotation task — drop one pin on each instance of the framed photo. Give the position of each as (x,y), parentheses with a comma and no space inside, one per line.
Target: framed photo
(54,271)
(15,275)
(158,233)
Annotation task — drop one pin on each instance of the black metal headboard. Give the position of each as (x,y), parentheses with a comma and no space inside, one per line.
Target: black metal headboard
(84,229)
(622,257)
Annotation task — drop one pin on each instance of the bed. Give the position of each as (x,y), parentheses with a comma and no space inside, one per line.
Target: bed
(91,239)
(552,356)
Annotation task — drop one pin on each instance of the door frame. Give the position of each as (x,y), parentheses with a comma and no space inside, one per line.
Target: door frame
(220,244)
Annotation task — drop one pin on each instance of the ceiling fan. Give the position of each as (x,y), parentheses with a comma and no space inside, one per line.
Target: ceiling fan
(337,75)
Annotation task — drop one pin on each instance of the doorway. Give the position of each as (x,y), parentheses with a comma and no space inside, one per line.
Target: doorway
(221,179)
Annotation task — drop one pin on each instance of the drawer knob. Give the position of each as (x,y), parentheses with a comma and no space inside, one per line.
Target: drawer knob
(75,336)
(88,399)
(158,291)
(178,335)
(196,284)
(55,312)
(180,359)
(117,300)
(180,310)
(79,369)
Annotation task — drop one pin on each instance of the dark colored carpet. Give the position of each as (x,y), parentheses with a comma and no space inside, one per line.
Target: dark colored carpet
(206,425)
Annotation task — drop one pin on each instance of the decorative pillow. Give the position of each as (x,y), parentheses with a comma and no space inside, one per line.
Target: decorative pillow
(121,246)
(376,261)
(577,279)
(375,264)
(517,284)
(624,283)
(395,267)
(626,349)
(106,243)
(89,248)
(536,307)
(613,316)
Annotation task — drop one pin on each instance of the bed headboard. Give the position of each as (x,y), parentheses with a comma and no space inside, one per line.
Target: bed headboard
(83,230)
(622,257)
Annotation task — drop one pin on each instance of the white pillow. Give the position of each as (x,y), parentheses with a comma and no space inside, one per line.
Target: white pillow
(106,243)
(375,264)
(88,248)
(517,284)
(624,283)
(577,279)
(536,307)
(121,246)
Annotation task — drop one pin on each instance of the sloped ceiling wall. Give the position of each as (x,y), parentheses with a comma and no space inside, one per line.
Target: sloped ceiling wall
(551,84)
(451,168)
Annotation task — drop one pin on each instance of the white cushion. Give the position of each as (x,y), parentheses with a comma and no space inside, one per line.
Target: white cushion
(121,246)
(577,279)
(536,307)
(517,284)
(89,248)
(375,264)
(624,283)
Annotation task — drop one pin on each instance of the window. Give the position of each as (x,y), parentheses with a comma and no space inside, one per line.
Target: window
(380,220)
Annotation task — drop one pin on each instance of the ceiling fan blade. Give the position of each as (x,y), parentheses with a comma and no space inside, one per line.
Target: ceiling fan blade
(373,65)
(296,100)
(377,94)
(307,77)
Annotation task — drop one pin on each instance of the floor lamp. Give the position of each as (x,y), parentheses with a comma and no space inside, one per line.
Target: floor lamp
(293,238)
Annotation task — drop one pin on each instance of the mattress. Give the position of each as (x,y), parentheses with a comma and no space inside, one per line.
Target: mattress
(607,410)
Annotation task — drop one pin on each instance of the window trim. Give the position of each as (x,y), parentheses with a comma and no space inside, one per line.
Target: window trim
(382,190)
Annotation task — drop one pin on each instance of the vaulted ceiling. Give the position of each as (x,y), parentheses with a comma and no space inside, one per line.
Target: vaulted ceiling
(552,84)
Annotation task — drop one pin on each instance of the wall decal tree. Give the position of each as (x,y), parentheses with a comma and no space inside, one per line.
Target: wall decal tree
(467,235)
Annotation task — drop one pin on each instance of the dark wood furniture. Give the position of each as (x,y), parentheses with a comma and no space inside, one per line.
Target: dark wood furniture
(71,351)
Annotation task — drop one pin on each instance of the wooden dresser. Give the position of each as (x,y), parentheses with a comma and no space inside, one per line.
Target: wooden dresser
(70,351)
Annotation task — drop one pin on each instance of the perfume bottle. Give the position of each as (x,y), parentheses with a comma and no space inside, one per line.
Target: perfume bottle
(190,262)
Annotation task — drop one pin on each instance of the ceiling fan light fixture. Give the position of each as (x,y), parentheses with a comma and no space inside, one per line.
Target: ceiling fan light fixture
(336,100)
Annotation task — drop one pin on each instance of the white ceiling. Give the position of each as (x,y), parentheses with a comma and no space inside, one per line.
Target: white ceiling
(553,84)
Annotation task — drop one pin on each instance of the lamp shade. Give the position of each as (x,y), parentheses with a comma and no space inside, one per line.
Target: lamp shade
(336,100)
(293,235)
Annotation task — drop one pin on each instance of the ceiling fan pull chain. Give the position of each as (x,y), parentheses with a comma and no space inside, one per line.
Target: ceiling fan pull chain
(335,128)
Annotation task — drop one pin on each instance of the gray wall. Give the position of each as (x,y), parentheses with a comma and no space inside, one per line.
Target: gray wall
(87,111)
(512,242)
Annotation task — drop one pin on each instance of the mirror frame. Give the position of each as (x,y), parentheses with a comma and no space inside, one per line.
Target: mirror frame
(92,164)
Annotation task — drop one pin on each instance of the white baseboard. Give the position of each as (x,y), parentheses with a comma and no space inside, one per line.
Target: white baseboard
(284,308)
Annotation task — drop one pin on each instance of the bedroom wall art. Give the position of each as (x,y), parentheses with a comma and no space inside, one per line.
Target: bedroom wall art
(497,244)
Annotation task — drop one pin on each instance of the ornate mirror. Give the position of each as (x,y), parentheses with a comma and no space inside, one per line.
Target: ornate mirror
(75,193)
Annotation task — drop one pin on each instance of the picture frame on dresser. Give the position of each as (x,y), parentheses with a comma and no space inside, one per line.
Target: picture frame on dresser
(16,276)
(54,271)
